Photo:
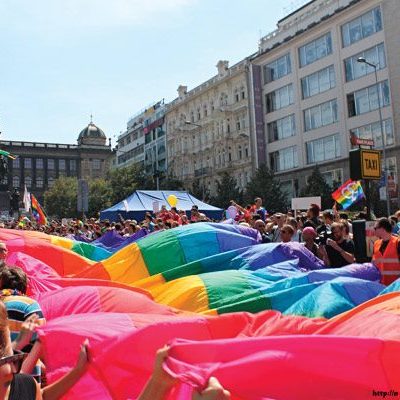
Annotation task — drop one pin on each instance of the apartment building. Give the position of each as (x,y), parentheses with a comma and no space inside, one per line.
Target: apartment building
(312,97)
(208,129)
(144,141)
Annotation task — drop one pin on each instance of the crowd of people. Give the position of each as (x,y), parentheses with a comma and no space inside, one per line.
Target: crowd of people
(327,234)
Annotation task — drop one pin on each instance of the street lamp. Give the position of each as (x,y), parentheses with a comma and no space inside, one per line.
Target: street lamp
(201,159)
(375,67)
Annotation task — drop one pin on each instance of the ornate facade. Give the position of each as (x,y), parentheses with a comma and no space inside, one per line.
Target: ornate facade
(208,129)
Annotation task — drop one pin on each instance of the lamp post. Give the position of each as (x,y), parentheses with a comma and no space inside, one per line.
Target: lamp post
(375,67)
(201,159)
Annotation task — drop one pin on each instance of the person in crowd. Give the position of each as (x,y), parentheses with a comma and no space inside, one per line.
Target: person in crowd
(260,226)
(24,313)
(194,214)
(164,214)
(395,224)
(313,216)
(130,230)
(175,216)
(386,255)
(287,233)
(279,219)
(3,254)
(257,208)
(309,235)
(338,251)
(297,232)
(328,219)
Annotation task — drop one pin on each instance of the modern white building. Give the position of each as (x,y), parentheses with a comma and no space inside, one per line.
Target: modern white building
(144,141)
(311,94)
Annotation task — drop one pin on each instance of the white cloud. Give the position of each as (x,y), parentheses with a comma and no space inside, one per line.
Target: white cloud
(58,15)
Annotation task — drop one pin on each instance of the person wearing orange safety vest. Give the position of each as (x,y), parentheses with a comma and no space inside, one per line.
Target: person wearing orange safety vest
(386,255)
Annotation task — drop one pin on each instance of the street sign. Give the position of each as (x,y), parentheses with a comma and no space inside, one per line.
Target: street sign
(83,196)
(365,164)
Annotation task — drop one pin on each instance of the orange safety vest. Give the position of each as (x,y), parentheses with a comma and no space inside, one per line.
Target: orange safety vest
(388,262)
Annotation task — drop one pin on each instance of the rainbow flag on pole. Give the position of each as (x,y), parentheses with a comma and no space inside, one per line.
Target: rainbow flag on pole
(7,154)
(37,211)
(349,193)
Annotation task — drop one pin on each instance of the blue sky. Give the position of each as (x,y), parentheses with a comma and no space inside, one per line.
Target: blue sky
(62,60)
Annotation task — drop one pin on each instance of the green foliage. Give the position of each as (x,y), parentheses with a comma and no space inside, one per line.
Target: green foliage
(264,184)
(171,183)
(61,199)
(317,186)
(124,181)
(100,195)
(227,190)
(200,191)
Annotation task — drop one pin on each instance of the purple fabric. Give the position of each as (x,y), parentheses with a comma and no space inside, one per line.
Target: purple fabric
(365,271)
(242,230)
(80,238)
(113,241)
(307,260)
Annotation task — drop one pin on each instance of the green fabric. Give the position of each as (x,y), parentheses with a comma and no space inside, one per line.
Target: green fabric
(230,291)
(172,254)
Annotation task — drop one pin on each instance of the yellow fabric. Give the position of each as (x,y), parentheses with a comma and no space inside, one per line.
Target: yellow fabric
(126,265)
(62,242)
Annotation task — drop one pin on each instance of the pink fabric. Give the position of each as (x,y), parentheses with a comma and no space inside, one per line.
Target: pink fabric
(295,367)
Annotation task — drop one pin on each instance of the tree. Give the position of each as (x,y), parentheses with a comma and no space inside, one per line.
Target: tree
(264,184)
(171,183)
(200,191)
(124,181)
(227,190)
(317,186)
(61,199)
(100,195)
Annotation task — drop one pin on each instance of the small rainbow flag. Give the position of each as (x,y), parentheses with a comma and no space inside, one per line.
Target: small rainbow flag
(7,154)
(37,211)
(349,193)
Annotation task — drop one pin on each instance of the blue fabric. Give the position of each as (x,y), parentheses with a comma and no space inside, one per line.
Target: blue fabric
(136,205)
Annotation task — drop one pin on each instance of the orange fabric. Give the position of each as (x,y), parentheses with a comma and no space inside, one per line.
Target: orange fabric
(388,262)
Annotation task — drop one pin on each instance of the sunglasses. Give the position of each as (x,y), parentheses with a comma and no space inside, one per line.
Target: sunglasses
(3,250)
(15,361)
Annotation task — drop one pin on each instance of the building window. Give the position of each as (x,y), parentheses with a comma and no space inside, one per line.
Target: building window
(237,96)
(277,69)
(61,165)
(315,50)
(28,181)
(373,131)
(246,152)
(39,163)
(280,98)
(15,163)
(334,177)
(281,128)
(50,164)
(321,115)
(240,155)
(39,182)
(27,163)
(205,110)
(362,27)
(367,99)
(96,164)
(243,93)
(327,148)
(284,159)
(16,181)
(50,181)
(72,165)
(355,69)
(198,114)
(318,82)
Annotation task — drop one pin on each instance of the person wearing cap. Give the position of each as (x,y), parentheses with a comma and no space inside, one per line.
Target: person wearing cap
(386,256)
(309,234)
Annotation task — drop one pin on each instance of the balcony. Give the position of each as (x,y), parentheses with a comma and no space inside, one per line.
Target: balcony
(202,171)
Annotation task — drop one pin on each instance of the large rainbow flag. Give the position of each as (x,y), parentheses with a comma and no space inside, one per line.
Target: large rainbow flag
(230,307)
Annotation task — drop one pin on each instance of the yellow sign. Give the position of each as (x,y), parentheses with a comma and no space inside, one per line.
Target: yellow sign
(370,164)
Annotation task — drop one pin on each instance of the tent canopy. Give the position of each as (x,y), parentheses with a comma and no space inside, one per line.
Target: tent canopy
(136,205)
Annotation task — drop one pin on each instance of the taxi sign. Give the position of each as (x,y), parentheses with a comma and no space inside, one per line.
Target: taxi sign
(365,164)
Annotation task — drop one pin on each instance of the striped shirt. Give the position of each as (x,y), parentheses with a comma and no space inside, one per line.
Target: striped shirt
(19,308)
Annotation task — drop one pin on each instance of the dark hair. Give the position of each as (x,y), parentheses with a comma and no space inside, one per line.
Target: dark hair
(328,214)
(13,278)
(314,208)
(385,224)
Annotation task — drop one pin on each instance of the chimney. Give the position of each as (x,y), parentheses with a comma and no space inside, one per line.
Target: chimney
(223,66)
(182,90)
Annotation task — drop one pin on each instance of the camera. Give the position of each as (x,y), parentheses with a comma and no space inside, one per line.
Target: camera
(323,237)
